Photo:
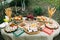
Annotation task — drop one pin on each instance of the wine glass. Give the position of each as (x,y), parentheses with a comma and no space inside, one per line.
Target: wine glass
(51,12)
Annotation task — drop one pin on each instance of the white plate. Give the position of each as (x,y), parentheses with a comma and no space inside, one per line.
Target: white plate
(3,24)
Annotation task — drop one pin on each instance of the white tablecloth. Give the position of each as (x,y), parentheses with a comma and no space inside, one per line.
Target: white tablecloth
(24,36)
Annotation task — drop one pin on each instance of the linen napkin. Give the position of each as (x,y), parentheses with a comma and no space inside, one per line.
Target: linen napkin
(18,32)
(48,31)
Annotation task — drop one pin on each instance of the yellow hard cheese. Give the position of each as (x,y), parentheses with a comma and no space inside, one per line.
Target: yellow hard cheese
(33,25)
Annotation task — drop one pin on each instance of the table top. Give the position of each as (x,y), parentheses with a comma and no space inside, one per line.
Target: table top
(40,34)
(56,32)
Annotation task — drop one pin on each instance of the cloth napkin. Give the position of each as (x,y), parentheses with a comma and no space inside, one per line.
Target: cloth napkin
(48,31)
(18,32)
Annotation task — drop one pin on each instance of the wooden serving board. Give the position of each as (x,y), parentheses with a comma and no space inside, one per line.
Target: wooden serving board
(31,33)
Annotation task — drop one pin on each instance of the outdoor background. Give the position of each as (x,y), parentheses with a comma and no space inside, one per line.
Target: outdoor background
(37,7)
